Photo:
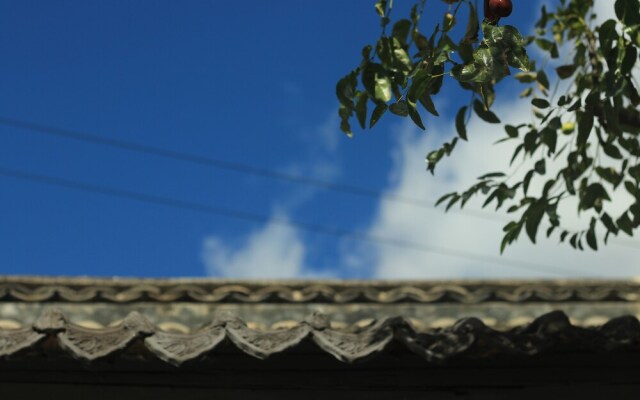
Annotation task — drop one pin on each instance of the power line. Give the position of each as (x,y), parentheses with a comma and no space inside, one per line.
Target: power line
(630,244)
(254,217)
(251,170)
(229,165)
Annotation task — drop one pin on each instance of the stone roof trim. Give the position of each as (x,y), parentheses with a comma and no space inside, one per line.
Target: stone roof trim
(35,289)
(468,337)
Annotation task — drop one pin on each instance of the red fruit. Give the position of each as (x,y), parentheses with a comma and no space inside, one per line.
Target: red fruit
(488,15)
(500,8)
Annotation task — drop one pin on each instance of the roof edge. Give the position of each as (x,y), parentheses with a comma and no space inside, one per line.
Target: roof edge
(550,332)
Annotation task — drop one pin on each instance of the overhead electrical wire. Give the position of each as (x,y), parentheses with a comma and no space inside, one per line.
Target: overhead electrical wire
(229,165)
(249,169)
(254,217)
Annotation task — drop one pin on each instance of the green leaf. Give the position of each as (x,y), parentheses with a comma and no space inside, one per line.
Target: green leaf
(620,7)
(428,105)
(629,60)
(401,30)
(460,123)
(540,167)
(542,79)
(346,88)
(612,151)
(519,60)
(610,175)
(611,116)
(566,71)
(580,246)
(509,238)
(471,35)
(492,175)
(361,109)
(527,92)
(415,15)
(635,209)
(547,186)
(419,84)
(484,58)
(377,114)
(452,202)
(591,236)
(574,241)
(531,141)
(465,50)
(563,236)
(485,114)
(548,46)
(534,215)
(381,7)
(435,156)
(628,12)
(575,106)
(607,221)
(392,54)
(607,35)
(593,196)
(377,82)
(366,53)
(490,198)
(526,181)
(550,138)
(445,197)
(345,113)
(585,124)
(635,172)
(540,103)
(625,224)
(401,55)
(400,108)
(415,115)
(563,101)
(437,79)
(472,72)
(544,19)
(632,189)
(526,77)
(382,88)
(512,131)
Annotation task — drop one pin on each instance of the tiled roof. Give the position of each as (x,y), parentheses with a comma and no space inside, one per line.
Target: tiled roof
(468,338)
(181,320)
(34,289)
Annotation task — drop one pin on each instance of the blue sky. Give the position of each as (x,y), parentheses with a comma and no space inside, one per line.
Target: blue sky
(244,82)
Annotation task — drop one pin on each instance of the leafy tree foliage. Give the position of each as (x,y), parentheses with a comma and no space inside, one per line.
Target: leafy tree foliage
(592,128)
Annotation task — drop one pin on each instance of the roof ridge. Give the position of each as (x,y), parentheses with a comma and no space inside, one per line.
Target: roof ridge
(39,289)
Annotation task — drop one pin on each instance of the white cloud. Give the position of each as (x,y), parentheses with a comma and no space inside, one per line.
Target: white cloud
(320,163)
(604,10)
(278,251)
(274,251)
(464,233)
(329,134)
(468,234)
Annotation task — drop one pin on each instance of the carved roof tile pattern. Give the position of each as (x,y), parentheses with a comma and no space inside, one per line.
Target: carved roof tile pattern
(468,337)
(32,289)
